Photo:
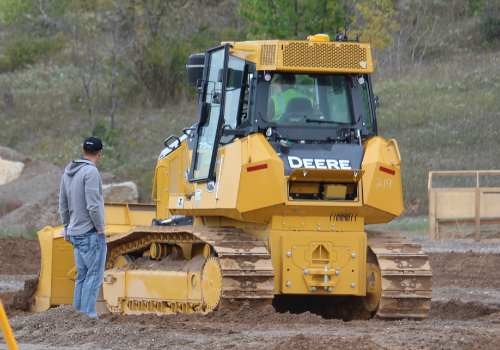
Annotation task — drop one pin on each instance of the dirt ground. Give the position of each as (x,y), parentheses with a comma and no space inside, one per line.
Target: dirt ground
(465,314)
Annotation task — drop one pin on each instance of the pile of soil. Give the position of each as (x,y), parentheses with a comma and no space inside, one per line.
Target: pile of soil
(466,270)
(19,256)
(31,201)
(458,310)
(17,303)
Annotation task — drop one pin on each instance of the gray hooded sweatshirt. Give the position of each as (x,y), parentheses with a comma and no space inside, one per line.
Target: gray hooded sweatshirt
(80,202)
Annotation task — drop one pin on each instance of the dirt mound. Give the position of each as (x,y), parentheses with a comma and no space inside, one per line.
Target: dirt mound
(15,303)
(32,198)
(19,256)
(255,318)
(458,310)
(31,202)
(466,270)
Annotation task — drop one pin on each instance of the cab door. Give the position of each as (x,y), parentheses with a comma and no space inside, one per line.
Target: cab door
(210,115)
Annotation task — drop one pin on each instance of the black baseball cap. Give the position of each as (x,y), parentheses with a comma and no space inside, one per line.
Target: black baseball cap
(92,144)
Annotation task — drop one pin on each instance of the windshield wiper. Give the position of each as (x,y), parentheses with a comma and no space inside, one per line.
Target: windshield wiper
(319,121)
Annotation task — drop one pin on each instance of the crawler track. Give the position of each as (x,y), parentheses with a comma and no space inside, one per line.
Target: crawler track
(247,271)
(406,276)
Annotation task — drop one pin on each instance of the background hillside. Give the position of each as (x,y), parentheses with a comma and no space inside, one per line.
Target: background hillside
(116,69)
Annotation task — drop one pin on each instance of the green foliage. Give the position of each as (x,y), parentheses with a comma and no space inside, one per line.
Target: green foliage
(284,19)
(33,17)
(489,14)
(373,20)
(376,22)
(491,27)
(109,137)
(28,50)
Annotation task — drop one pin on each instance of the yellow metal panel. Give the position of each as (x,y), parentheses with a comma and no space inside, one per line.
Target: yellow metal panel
(194,286)
(113,287)
(382,187)
(44,289)
(325,56)
(312,252)
(325,175)
(63,261)
(306,56)
(305,187)
(61,301)
(160,285)
(230,176)
(335,191)
(262,181)
(161,185)
(63,288)
(116,214)
(142,214)
(292,221)
(174,175)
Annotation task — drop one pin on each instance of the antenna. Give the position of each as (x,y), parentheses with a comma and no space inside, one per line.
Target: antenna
(345,26)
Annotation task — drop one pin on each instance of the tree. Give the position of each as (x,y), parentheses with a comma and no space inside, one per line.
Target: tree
(374,22)
(36,17)
(284,19)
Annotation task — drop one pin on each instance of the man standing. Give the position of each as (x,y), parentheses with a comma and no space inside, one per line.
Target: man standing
(82,211)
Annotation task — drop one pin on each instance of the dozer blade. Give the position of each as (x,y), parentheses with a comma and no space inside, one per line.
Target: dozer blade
(56,283)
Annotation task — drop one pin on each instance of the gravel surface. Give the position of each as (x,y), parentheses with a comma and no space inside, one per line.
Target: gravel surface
(457,246)
(490,297)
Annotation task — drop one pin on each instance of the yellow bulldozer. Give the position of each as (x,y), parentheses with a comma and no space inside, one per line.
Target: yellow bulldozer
(265,199)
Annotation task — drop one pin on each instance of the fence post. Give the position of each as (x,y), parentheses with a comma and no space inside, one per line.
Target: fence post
(432,214)
(477,214)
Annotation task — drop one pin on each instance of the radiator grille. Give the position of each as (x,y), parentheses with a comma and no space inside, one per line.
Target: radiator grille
(268,55)
(324,55)
(344,217)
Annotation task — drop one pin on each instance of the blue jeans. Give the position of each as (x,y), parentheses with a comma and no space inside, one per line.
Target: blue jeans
(90,260)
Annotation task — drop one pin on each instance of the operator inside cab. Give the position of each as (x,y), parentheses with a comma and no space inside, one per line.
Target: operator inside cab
(281,92)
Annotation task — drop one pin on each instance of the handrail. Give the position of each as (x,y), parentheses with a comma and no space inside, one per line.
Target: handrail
(396,149)
(154,185)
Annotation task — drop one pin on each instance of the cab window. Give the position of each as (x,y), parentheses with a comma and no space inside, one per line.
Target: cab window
(237,92)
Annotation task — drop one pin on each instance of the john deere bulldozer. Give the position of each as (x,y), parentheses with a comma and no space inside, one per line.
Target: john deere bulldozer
(266,198)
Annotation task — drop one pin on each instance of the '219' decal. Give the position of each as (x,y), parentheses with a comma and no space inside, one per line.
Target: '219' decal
(383,183)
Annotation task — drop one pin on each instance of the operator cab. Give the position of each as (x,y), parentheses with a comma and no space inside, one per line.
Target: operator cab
(236,100)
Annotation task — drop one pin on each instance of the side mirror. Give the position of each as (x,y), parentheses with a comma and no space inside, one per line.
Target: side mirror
(195,66)
(375,100)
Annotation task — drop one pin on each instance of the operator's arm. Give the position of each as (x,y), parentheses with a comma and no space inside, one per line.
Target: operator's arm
(64,210)
(63,206)
(93,197)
